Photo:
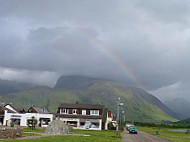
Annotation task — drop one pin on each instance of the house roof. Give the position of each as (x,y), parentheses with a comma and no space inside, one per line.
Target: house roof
(17,108)
(82,106)
(40,110)
(2,110)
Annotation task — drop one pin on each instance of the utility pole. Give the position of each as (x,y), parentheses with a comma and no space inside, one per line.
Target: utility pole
(117,128)
(117,133)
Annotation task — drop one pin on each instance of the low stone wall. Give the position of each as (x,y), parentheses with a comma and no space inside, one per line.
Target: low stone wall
(9,132)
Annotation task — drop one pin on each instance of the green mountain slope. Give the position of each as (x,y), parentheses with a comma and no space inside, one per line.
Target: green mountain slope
(35,96)
(179,105)
(13,86)
(155,101)
(185,122)
(94,91)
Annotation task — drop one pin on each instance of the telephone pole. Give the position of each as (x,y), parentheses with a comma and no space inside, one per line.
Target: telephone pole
(117,133)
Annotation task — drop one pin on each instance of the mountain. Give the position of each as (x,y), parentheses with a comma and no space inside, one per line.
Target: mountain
(13,86)
(34,96)
(155,101)
(138,104)
(179,105)
(75,82)
(185,122)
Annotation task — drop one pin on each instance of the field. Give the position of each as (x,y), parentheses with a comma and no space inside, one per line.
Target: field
(95,136)
(169,135)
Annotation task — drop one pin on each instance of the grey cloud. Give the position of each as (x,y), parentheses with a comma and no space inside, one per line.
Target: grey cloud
(150,37)
(176,90)
(31,76)
(166,11)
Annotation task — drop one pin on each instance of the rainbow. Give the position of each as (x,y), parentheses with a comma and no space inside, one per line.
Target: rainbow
(111,56)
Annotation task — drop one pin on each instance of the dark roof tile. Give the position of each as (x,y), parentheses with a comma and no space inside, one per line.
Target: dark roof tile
(85,106)
(2,110)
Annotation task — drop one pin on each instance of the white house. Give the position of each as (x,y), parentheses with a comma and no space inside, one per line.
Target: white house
(85,116)
(19,117)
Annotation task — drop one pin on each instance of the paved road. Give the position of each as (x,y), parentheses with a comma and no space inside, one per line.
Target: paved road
(141,137)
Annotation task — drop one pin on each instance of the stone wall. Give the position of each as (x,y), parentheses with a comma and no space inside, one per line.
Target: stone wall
(9,132)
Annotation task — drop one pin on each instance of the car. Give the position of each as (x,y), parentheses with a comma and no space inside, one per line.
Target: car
(133,129)
(128,125)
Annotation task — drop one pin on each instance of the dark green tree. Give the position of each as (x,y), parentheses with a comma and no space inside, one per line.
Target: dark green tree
(32,123)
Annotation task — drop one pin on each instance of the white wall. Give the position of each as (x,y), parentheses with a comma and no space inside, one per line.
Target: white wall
(78,123)
(25,116)
(109,119)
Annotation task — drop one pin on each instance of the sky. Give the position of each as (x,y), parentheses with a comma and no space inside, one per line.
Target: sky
(40,40)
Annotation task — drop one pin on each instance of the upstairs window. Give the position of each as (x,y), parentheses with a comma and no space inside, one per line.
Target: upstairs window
(74,111)
(94,112)
(83,112)
(64,111)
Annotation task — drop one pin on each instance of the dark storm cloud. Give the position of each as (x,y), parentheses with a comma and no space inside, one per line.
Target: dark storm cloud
(51,38)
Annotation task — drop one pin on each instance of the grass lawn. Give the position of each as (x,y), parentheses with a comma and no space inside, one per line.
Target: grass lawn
(35,130)
(95,136)
(169,135)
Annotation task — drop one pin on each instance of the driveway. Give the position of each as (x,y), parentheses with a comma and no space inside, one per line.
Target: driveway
(141,137)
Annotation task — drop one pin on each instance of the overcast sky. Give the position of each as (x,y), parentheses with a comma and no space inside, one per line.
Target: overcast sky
(41,40)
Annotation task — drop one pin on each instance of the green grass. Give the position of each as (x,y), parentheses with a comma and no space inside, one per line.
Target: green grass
(30,132)
(169,135)
(95,136)
(35,130)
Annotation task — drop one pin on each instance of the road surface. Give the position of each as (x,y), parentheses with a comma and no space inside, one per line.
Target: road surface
(141,137)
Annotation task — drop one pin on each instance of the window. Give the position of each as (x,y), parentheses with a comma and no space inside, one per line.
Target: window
(83,112)
(94,112)
(64,111)
(74,111)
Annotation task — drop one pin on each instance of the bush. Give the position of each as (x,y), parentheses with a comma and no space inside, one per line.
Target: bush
(111,126)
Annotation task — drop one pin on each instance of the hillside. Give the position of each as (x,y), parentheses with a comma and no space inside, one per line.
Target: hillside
(12,86)
(179,105)
(34,96)
(155,101)
(138,105)
(75,82)
(185,122)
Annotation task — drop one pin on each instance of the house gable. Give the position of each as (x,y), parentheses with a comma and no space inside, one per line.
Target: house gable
(34,109)
(8,106)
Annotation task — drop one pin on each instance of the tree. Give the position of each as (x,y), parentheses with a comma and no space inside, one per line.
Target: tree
(32,123)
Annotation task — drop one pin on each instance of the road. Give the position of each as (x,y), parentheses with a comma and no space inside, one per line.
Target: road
(141,137)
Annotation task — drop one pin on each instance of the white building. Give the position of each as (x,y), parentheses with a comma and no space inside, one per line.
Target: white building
(19,117)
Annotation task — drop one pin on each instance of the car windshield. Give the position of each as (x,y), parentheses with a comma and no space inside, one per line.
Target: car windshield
(133,127)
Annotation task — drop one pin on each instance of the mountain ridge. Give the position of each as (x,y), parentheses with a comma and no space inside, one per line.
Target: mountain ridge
(7,86)
(94,91)
(179,105)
